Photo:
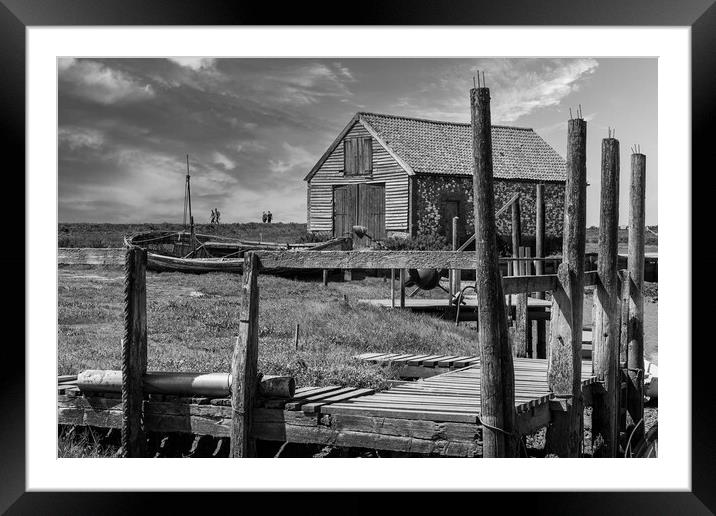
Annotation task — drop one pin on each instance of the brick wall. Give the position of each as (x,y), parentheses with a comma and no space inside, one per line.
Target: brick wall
(432,194)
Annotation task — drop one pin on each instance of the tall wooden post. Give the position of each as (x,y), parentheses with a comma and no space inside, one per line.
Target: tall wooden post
(539,234)
(564,436)
(325,277)
(244,368)
(134,352)
(605,331)
(635,325)
(402,288)
(392,288)
(521,327)
(455,274)
(497,379)
(516,233)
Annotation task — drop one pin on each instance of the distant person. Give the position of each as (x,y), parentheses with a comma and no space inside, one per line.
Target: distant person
(268,217)
(213,217)
(218,216)
(264,218)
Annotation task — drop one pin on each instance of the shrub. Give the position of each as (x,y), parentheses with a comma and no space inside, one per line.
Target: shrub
(422,242)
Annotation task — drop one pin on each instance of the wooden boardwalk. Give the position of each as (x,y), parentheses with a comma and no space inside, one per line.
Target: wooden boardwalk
(455,395)
(437,416)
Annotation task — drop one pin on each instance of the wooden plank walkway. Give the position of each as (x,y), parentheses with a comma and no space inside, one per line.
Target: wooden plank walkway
(453,396)
(436,416)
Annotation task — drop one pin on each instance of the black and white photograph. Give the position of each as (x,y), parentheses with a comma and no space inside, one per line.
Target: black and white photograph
(354,257)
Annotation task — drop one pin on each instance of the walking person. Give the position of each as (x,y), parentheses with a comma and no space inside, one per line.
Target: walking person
(269,216)
(213,217)
(264,217)
(218,216)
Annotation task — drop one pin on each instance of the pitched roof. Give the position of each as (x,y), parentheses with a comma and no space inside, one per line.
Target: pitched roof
(434,147)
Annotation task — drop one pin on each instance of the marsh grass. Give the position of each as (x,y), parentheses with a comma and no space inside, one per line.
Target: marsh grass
(193,321)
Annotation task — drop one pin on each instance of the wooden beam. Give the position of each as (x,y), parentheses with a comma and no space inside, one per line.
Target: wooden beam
(497,378)
(539,234)
(392,288)
(402,288)
(635,265)
(244,367)
(134,352)
(605,330)
(520,338)
(455,274)
(519,284)
(564,436)
(516,227)
(367,259)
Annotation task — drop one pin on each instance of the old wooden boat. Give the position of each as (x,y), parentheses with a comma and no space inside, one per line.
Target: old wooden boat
(185,251)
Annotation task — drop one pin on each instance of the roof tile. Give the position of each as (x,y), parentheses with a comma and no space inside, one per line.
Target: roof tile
(434,147)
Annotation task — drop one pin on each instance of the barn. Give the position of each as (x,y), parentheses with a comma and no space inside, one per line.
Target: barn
(402,176)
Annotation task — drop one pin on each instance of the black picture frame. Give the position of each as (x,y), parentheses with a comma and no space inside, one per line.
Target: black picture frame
(17,15)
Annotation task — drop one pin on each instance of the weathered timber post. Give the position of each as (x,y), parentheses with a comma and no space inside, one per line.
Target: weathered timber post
(539,235)
(244,369)
(521,327)
(564,435)
(325,277)
(605,330)
(134,352)
(392,288)
(402,288)
(455,274)
(497,378)
(516,233)
(635,265)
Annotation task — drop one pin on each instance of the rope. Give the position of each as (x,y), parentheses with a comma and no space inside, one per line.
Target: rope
(126,346)
(627,450)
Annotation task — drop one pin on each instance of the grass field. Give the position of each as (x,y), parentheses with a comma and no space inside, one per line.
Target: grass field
(193,320)
(112,235)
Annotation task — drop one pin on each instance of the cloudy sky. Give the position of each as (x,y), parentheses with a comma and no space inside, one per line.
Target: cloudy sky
(254,127)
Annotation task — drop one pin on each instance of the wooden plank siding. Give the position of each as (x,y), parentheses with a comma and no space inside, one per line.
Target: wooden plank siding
(385,170)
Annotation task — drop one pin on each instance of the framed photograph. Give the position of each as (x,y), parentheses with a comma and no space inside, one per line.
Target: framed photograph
(264,234)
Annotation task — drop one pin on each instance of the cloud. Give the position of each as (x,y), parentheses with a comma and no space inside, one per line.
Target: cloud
(310,83)
(99,83)
(78,137)
(222,160)
(524,86)
(294,157)
(195,63)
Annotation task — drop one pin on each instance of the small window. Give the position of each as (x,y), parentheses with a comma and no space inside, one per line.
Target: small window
(358,156)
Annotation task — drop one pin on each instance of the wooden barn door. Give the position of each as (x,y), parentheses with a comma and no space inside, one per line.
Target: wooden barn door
(371,212)
(345,210)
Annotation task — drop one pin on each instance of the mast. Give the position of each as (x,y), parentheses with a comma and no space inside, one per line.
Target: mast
(187,196)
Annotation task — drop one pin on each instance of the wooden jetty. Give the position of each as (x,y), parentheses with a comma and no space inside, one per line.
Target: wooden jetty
(437,416)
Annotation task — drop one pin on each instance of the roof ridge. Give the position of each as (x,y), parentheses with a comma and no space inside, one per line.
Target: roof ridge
(442,122)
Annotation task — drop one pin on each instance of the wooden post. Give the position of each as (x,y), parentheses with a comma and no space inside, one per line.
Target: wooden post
(605,330)
(635,265)
(497,378)
(521,328)
(325,277)
(565,344)
(244,369)
(295,335)
(402,288)
(134,352)
(516,233)
(455,274)
(392,288)
(539,234)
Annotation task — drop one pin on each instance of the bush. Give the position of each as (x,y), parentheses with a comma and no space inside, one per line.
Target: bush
(421,242)
(317,236)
